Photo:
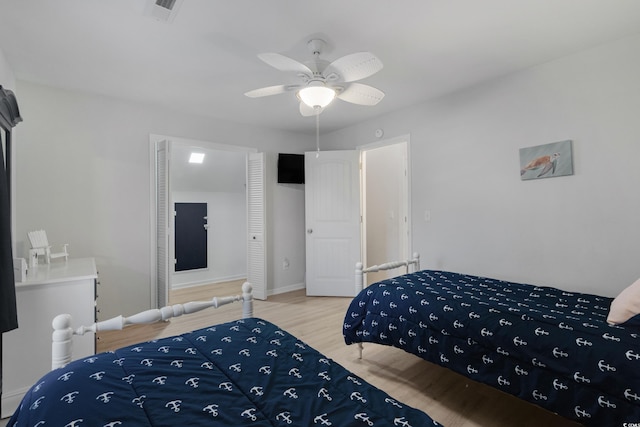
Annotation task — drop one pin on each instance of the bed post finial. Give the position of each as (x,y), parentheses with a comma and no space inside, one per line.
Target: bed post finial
(247,300)
(61,341)
(416,259)
(359,277)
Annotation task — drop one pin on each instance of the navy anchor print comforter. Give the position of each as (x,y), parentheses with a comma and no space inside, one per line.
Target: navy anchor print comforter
(546,346)
(243,373)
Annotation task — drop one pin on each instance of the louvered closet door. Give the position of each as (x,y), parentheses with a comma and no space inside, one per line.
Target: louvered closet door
(163,195)
(256,244)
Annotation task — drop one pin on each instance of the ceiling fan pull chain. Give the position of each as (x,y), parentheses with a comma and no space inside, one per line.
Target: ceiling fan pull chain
(317,108)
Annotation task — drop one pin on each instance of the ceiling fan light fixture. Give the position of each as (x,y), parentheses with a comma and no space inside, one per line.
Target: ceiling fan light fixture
(316,96)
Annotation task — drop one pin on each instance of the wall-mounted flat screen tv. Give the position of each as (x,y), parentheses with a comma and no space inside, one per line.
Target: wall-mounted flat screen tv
(290,168)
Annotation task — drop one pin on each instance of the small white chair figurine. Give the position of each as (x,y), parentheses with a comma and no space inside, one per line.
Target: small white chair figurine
(40,246)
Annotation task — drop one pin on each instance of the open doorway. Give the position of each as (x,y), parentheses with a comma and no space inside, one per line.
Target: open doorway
(385,204)
(356,209)
(221,183)
(217,189)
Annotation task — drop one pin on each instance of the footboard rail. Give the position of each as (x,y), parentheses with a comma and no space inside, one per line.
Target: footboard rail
(62,337)
(361,271)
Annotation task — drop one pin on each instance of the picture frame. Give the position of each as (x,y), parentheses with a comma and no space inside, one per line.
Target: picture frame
(546,161)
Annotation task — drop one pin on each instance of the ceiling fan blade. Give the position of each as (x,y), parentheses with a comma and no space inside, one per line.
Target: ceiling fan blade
(284,63)
(358,93)
(270,90)
(353,67)
(307,111)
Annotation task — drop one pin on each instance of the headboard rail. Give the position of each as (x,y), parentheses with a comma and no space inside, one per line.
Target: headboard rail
(61,346)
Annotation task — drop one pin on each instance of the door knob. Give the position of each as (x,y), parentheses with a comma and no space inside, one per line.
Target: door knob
(309,230)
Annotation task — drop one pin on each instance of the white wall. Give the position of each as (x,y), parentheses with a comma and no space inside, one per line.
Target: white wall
(82,165)
(7,78)
(288,260)
(579,232)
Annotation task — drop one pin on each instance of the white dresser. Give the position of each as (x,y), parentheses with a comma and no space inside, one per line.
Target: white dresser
(50,289)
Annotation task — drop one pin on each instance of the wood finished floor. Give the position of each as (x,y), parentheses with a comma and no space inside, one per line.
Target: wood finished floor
(449,398)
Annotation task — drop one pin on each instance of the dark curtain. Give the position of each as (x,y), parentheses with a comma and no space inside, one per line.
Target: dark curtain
(9,117)
(8,315)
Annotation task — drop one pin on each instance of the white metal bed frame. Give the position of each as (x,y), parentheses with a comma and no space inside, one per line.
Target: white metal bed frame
(361,271)
(61,347)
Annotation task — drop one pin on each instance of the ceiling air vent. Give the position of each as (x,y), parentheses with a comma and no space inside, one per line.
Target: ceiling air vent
(162,10)
(167,4)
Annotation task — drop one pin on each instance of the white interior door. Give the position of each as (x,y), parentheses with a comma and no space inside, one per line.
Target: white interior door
(256,243)
(332,221)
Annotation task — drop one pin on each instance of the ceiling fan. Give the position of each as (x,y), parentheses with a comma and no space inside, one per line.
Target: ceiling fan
(321,81)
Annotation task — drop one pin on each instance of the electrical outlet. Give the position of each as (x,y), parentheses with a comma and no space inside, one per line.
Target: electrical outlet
(285,264)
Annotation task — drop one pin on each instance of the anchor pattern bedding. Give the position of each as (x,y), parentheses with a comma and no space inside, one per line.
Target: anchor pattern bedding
(243,373)
(544,345)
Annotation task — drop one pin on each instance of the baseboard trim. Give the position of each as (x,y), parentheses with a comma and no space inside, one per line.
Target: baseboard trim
(11,400)
(284,289)
(177,286)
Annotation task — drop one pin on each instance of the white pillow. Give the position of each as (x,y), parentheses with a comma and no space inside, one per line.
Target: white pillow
(625,305)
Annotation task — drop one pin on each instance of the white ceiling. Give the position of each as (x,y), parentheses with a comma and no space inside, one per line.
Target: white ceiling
(205,59)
